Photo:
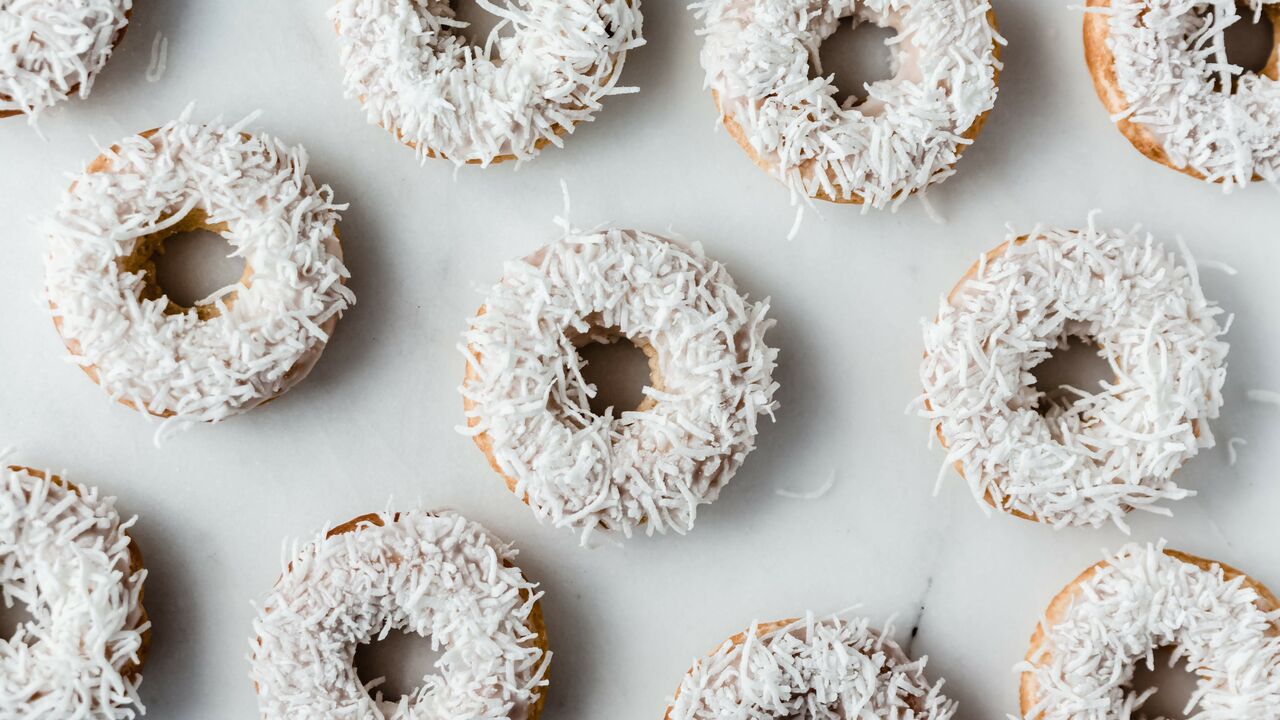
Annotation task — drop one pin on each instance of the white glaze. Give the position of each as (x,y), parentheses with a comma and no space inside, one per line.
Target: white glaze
(434,574)
(651,466)
(277,219)
(426,84)
(1089,461)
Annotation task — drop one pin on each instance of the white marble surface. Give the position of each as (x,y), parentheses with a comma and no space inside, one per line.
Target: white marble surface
(376,420)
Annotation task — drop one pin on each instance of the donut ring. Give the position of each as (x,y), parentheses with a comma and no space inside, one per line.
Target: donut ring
(436,574)
(910,132)
(1147,96)
(69,558)
(1226,625)
(51,50)
(446,98)
(789,674)
(1105,454)
(244,345)
(527,403)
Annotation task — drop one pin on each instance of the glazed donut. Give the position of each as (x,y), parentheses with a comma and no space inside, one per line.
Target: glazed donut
(69,560)
(910,132)
(245,344)
(434,574)
(526,402)
(442,96)
(54,48)
(1101,455)
(1161,70)
(1225,624)
(821,669)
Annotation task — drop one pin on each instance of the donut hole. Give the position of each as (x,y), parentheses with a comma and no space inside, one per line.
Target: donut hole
(858,53)
(618,370)
(13,617)
(1075,365)
(190,266)
(1250,43)
(1171,683)
(394,666)
(195,265)
(481,24)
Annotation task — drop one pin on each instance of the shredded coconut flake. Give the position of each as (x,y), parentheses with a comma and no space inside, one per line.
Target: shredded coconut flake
(810,669)
(1090,460)
(50,49)
(1170,63)
(159,58)
(1231,449)
(65,557)
(434,574)
(1265,397)
(908,135)
(653,465)
(1219,266)
(1137,601)
(813,494)
(175,364)
(428,85)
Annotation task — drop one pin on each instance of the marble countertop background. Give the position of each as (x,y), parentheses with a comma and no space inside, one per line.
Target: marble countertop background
(375,422)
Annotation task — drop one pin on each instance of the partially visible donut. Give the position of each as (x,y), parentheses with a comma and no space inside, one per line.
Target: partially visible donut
(53,49)
(527,404)
(436,92)
(1091,459)
(1223,623)
(809,668)
(69,559)
(1160,69)
(435,574)
(758,57)
(246,344)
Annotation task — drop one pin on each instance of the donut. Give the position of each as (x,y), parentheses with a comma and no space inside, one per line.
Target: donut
(69,560)
(526,401)
(1091,459)
(245,344)
(910,132)
(806,668)
(425,83)
(52,49)
(1160,69)
(1224,624)
(435,574)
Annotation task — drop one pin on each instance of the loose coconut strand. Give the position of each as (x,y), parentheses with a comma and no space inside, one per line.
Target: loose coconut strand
(278,220)
(1143,599)
(52,48)
(909,134)
(422,81)
(1090,461)
(653,466)
(437,575)
(65,557)
(811,670)
(1168,56)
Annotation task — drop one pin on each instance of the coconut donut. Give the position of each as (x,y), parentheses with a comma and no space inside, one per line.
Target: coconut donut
(245,344)
(806,668)
(527,404)
(910,132)
(434,574)
(444,97)
(1225,624)
(1160,68)
(52,49)
(1089,460)
(66,555)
